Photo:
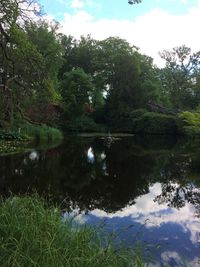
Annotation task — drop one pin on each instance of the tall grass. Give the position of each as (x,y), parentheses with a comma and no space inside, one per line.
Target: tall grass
(41,133)
(32,234)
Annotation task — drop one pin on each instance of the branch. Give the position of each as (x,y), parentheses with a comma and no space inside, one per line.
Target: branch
(25,117)
(4,33)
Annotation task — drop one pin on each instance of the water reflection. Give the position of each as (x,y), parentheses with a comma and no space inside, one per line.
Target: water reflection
(175,232)
(90,155)
(34,155)
(151,184)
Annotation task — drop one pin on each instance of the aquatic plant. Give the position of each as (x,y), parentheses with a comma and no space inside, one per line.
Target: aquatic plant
(41,133)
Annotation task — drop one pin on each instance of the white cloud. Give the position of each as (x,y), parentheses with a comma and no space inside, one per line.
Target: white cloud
(77,4)
(152,32)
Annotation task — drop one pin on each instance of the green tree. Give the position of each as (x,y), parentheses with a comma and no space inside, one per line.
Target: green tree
(84,54)
(76,90)
(180,77)
(21,66)
(129,77)
(47,42)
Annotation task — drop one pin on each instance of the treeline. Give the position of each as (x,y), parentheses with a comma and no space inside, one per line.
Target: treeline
(90,85)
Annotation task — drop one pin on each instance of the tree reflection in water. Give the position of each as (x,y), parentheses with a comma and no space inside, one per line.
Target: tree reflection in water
(88,174)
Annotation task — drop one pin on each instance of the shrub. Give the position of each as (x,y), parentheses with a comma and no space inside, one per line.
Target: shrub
(155,123)
(191,122)
(142,121)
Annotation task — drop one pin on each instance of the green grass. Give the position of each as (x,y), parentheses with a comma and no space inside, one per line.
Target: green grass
(41,133)
(33,234)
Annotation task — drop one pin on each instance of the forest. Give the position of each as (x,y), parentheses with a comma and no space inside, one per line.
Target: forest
(49,80)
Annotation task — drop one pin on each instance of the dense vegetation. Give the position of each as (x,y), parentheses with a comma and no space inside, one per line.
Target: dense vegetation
(35,236)
(90,85)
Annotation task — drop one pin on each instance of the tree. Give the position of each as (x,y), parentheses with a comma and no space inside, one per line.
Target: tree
(180,77)
(128,77)
(76,90)
(21,64)
(47,41)
(79,54)
(30,59)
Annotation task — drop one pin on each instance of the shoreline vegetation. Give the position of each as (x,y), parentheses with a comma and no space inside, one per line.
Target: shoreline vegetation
(33,234)
(23,138)
(138,122)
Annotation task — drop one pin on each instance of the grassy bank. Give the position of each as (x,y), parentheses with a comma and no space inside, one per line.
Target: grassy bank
(33,234)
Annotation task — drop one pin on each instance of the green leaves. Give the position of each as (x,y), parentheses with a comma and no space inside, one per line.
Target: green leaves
(180,77)
(191,122)
(76,90)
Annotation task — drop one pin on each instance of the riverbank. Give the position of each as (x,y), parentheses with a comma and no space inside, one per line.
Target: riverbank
(17,140)
(33,234)
(140,121)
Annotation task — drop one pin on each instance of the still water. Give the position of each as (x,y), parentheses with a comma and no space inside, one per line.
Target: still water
(144,190)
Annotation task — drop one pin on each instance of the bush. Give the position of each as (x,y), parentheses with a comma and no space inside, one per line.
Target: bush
(155,123)
(142,121)
(33,234)
(191,122)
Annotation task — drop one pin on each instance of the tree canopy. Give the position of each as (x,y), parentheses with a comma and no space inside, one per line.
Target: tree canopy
(95,81)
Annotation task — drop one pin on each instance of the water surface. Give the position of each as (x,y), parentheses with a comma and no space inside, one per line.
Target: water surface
(146,190)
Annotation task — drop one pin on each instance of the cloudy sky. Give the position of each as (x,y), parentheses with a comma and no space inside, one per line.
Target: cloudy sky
(153,25)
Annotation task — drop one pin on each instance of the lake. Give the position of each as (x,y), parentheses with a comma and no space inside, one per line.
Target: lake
(145,190)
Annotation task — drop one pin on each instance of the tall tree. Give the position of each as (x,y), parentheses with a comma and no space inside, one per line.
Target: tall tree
(180,77)
(76,90)
(47,42)
(21,64)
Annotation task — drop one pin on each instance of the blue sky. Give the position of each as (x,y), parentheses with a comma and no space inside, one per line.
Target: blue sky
(116,9)
(153,25)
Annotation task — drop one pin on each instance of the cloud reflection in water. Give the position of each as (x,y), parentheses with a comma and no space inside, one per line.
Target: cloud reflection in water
(177,230)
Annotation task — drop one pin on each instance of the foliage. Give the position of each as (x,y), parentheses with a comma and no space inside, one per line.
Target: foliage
(156,123)
(47,77)
(180,77)
(191,122)
(30,58)
(10,135)
(46,40)
(40,133)
(76,90)
(21,64)
(83,124)
(36,236)
(142,121)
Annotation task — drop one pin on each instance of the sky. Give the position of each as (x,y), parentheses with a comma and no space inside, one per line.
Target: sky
(153,25)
